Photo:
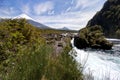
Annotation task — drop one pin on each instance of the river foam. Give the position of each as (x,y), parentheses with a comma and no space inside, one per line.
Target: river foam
(99,63)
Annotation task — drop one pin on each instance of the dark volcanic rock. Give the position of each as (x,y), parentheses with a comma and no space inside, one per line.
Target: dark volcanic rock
(80,43)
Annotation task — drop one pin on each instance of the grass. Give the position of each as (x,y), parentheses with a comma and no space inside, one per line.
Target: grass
(63,68)
(29,66)
(24,54)
(39,64)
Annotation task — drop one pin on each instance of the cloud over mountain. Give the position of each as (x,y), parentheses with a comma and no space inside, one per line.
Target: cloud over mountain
(54,13)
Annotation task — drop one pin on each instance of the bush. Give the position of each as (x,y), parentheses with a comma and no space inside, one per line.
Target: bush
(16,34)
(92,37)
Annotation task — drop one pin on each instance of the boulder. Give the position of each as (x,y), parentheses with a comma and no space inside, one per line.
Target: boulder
(92,38)
(80,42)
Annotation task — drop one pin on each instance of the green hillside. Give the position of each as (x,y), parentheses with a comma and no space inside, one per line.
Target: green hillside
(108,18)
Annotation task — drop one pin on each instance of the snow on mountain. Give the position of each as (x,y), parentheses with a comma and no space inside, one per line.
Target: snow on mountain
(32,21)
(23,16)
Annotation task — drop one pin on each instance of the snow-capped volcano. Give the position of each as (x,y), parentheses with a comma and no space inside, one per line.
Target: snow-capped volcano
(23,16)
(32,21)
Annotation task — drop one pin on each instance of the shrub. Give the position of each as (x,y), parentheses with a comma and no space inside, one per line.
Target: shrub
(92,37)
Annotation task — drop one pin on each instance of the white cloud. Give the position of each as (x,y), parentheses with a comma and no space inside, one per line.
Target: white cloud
(72,20)
(70,26)
(25,9)
(85,3)
(72,1)
(68,9)
(51,12)
(43,7)
(7,11)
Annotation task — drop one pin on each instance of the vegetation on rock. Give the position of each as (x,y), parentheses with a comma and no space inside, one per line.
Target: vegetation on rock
(92,37)
(108,18)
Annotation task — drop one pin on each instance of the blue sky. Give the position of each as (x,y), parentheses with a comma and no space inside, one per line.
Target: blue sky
(73,14)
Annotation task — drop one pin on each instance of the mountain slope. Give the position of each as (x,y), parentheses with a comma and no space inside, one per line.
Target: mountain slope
(37,24)
(108,18)
(32,21)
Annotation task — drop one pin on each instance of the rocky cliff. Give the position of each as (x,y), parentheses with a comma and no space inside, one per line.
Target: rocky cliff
(108,18)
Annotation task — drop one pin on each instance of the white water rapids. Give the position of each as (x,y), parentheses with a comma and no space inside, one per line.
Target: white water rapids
(103,65)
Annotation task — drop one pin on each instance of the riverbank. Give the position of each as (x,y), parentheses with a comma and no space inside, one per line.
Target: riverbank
(29,53)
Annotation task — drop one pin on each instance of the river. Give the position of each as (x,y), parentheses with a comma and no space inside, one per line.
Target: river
(101,64)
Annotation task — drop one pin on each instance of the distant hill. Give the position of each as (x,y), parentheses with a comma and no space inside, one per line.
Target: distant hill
(32,21)
(67,29)
(108,18)
(64,28)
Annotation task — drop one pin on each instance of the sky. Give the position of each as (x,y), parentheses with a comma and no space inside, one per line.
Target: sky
(73,14)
